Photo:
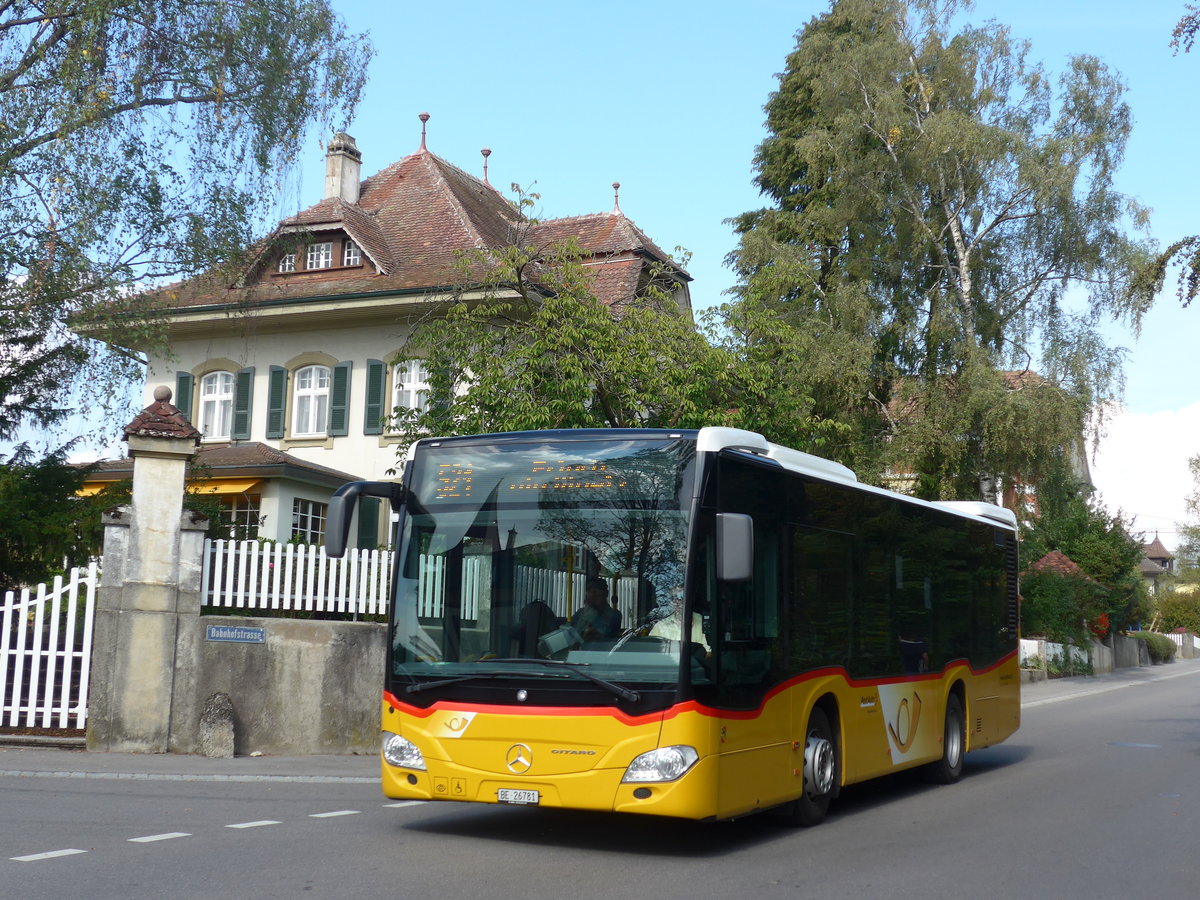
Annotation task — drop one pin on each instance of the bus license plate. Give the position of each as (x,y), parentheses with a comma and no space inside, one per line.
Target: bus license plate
(525,798)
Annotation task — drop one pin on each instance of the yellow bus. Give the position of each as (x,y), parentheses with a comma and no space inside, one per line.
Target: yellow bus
(693,623)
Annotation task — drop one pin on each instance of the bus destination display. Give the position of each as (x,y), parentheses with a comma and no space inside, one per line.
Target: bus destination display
(456,481)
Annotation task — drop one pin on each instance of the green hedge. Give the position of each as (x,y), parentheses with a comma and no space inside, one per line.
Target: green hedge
(1162,648)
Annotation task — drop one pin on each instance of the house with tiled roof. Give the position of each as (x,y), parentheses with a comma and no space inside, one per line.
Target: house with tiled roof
(1156,563)
(1058,563)
(291,367)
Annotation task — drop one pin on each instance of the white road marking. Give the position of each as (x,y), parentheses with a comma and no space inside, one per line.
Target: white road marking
(34,857)
(404,803)
(171,835)
(151,838)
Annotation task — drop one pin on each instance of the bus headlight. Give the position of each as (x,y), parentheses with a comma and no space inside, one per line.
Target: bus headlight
(663,764)
(402,753)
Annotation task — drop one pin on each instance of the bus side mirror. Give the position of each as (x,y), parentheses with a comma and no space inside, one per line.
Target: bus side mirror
(735,547)
(341,509)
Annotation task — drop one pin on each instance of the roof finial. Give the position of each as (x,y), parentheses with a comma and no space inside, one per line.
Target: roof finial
(424,117)
(616,198)
(486,153)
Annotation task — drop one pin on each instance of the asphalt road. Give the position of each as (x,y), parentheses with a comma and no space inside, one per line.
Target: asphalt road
(1096,796)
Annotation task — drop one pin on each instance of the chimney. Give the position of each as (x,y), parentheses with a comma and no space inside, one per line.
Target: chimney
(343,167)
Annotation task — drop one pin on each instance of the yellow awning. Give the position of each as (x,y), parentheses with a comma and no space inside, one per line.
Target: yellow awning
(213,486)
(225,486)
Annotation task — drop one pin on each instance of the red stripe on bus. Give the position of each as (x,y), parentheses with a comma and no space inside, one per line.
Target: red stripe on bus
(690,706)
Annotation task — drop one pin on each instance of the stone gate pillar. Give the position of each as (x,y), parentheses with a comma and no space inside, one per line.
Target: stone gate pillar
(150,582)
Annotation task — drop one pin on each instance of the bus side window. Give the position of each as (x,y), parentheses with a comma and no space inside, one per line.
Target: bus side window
(750,649)
(822,598)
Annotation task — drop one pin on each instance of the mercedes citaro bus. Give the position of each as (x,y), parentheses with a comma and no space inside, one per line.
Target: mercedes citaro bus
(689,623)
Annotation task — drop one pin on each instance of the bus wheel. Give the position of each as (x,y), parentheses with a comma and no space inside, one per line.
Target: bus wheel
(820,773)
(948,769)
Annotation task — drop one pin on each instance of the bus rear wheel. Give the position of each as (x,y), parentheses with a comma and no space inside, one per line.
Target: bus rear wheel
(948,769)
(820,773)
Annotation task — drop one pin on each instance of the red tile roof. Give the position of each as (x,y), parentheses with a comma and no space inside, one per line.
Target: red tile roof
(242,459)
(1060,564)
(413,220)
(1156,551)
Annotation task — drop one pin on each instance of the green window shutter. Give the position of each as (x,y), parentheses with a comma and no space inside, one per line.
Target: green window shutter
(184,384)
(243,396)
(368,523)
(376,386)
(339,400)
(276,401)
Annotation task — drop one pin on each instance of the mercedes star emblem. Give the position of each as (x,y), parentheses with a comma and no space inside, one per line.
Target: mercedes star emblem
(519,759)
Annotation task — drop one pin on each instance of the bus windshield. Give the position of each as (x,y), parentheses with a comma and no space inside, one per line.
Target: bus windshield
(543,558)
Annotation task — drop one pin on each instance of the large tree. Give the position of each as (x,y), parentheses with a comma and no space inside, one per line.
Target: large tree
(943,213)
(141,140)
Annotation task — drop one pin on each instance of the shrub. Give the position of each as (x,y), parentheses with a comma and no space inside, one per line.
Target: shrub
(1162,648)
(1179,609)
(1058,606)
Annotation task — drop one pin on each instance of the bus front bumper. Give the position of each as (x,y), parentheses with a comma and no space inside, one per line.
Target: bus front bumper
(692,796)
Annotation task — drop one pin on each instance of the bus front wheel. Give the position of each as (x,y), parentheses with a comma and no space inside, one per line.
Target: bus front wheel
(820,773)
(948,769)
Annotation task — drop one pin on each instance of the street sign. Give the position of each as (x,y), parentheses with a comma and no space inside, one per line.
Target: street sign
(236,634)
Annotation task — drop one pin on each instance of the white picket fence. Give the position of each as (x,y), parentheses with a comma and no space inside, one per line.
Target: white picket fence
(291,577)
(1185,640)
(283,579)
(46,652)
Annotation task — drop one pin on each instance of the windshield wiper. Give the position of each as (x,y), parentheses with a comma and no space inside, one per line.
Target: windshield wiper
(426,685)
(623,692)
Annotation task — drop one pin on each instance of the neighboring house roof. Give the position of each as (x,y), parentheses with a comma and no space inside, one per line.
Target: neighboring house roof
(413,220)
(240,462)
(1059,563)
(1149,568)
(1156,551)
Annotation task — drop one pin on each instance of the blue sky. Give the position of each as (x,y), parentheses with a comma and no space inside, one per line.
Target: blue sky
(666,97)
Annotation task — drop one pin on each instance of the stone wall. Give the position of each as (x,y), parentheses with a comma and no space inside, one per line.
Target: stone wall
(166,679)
(311,687)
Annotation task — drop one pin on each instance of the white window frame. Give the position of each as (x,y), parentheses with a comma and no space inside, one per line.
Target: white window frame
(320,255)
(216,405)
(410,385)
(287,263)
(310,401)
(241,515)
(351,254)
(308,520)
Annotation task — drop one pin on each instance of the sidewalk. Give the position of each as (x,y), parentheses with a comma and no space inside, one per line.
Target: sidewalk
(63,763)
(42,762)
(1058,689)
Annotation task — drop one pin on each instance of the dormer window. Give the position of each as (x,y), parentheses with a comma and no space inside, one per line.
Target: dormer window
(320,256)
(287,263)
(351,256)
